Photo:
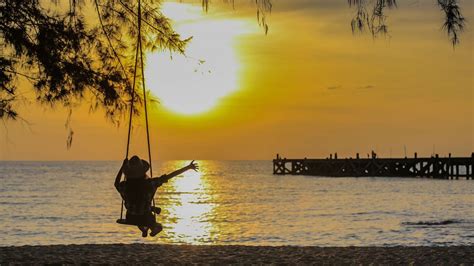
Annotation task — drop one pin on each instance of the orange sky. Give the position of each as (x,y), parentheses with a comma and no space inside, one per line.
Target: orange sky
(307,89)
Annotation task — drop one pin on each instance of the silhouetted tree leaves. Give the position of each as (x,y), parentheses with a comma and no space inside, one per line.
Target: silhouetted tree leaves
(7,90)
(263,7)
(67,61)
(454,21)
(370,14)
(68,57)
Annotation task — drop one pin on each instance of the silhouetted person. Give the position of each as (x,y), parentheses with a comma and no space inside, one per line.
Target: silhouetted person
(138,190)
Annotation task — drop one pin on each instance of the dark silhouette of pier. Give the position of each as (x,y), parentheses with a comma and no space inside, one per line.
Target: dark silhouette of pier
(431,167)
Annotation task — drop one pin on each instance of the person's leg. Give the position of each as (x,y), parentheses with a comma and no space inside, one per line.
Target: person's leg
(155,229)
(152,224)
(144,230)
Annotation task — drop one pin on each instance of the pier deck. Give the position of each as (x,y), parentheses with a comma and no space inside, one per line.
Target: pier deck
(432,167)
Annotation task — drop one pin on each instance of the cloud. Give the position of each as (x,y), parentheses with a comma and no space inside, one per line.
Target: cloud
(366,87)
(350,88)
(334,87)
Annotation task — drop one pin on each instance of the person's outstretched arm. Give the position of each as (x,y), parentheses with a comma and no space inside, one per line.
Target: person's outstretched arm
(119,174)
(192,165)
(162,179)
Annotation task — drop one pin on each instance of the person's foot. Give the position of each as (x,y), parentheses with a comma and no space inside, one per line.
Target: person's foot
(156,210)
(144,231)
(156,229)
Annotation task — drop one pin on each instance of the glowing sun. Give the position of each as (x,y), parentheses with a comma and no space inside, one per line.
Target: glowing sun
(194,83)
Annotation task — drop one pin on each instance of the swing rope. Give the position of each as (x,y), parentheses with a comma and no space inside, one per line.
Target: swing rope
(132,95)
(144,97)
(138,52)
(143,86)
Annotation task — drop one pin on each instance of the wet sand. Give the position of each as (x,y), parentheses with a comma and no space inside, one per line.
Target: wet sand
(186,254)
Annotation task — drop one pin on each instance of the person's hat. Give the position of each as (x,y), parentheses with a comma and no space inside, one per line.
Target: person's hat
(136,168)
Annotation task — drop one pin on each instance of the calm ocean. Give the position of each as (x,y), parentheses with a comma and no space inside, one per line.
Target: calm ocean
(233,202)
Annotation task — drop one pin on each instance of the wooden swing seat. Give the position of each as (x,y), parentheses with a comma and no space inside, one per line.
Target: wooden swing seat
(126,222)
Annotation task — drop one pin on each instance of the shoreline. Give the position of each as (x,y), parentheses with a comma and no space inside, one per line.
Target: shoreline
(232,254)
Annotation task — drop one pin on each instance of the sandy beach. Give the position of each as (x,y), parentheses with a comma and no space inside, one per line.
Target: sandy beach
(186,254)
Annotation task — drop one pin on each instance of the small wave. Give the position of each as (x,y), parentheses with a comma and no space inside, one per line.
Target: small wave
(13,203)
(47,218)
(372,212)
(442,222)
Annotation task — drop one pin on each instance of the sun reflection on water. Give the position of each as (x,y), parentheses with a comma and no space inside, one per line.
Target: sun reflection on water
(190,207)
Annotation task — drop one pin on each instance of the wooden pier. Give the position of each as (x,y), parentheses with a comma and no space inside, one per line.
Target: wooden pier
(432,167)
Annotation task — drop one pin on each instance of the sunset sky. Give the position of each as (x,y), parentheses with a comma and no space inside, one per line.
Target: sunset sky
(308,88)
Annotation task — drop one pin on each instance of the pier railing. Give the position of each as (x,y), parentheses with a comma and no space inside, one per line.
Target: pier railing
(432,167)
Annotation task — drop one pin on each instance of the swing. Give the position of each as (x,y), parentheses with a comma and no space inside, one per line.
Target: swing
(123,220)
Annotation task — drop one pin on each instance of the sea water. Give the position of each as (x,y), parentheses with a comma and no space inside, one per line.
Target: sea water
(233,202)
